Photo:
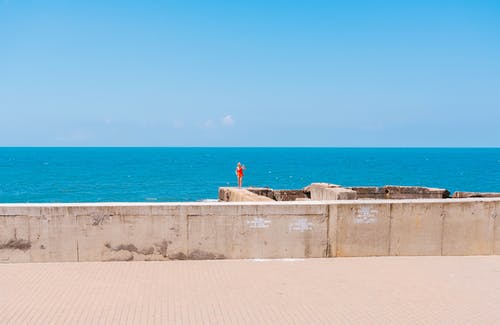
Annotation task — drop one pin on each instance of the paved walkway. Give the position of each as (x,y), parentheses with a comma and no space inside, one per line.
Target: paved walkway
(384,290)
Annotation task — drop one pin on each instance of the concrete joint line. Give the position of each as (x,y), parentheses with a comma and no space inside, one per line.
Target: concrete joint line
(495,220)
(328,248)
(443,216)
(390,230)
(187,230)
(77,248)
(337,232)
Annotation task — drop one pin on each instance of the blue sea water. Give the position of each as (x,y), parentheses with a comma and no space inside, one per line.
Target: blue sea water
(191,174)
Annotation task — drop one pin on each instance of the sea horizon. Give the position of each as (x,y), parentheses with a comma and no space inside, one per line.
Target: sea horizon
(271,147)
(183,174)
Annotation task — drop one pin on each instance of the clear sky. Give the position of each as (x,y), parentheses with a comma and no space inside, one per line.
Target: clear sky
(249,73)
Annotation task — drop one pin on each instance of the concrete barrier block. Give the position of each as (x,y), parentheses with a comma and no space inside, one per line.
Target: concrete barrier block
(141,233)
(211,232)
(258,231)
(316,191)
(262,191)
(468,228)
(332,193)
(399,192)
(414,192)
(340,194)
(284,232)
(234,194)
(369,192)
(289,195)
(363,229)
(308,188)
(53,236)
(416,229)
(459,195)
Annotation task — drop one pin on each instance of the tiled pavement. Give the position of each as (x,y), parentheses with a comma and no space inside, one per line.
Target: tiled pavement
(383,290)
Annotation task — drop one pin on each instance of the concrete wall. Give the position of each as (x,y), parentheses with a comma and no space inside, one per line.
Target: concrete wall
(172,231)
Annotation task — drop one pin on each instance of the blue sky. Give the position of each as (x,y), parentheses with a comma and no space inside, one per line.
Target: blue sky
(249,73)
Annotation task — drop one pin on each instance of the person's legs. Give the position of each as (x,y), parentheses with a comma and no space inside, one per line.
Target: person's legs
(239,181)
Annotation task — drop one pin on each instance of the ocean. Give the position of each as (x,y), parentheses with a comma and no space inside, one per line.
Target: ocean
(192,174)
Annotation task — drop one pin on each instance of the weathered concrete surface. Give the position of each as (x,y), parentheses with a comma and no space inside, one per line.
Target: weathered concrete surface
(37,234)
(469,228)
(400,192)
(15,241)
(264,191)
(451,290)
(130,233)
(330,194)
(460,195)
(317,191)
(363,230)
(173,231)
(15,238)
(211,232)
(415,192)
(53,237)
(259,231)
(289,195)
(369,192)
(279,195)
(234,194)
(416,229)
(311,186)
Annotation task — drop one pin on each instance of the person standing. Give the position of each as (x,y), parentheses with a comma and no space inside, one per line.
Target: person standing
(239,173)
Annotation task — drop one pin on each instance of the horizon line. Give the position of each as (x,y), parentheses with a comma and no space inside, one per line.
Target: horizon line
(267,147)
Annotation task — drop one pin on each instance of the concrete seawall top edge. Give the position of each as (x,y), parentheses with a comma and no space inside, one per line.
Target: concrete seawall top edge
(281,203)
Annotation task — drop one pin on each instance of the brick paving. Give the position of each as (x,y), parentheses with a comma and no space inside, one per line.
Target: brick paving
(383,290)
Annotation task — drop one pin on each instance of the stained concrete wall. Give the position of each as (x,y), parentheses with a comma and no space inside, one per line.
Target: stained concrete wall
(172,231)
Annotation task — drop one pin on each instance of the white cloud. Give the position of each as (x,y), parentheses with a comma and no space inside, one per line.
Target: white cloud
(228,120)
